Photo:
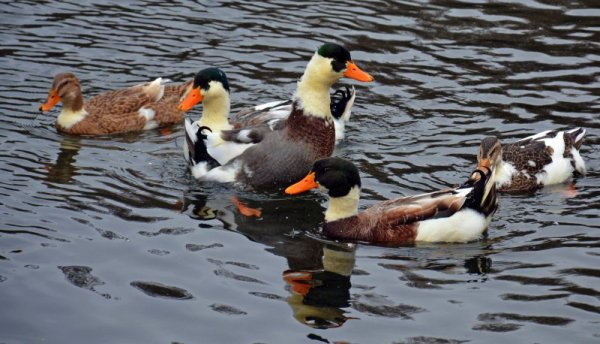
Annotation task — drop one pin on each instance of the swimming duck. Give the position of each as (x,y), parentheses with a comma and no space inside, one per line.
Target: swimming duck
(550,157)
(228,138)
(139,107)
(458,214)
(308,134)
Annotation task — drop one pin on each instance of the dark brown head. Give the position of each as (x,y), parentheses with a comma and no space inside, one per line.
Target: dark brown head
(65,89)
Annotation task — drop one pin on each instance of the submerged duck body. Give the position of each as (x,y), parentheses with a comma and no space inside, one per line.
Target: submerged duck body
(226,137)
(550,157)
(139,107)
(459,214)
(285,155)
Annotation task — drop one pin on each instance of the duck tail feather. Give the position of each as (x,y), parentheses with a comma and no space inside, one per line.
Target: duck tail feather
(577,136)
(341,103)
(197,151)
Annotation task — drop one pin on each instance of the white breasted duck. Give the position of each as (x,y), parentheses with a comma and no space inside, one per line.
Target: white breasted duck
(550,157)
(228,138)
(458,214)
(308,134)
(139,107)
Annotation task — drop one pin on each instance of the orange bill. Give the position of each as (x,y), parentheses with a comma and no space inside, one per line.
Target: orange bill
(353,72)
(193,97)
(485,163)
(52,100)
(299,281)
(304,185)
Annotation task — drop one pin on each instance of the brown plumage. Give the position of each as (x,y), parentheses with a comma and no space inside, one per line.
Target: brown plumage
(135,108)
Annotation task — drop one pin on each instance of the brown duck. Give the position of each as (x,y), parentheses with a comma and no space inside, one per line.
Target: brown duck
(550,157)
(308,135)
(459,214)
(139,107)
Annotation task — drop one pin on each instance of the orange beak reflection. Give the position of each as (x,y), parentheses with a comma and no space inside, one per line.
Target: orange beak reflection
(52,100)
(353,72)
(194,96)
(304,185)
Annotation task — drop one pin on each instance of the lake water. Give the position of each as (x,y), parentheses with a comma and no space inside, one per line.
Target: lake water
(110,240)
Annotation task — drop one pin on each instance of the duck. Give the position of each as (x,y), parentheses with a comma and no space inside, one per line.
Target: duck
(455,215)
(228,138)
(307,135)
(546,158)
(140,107)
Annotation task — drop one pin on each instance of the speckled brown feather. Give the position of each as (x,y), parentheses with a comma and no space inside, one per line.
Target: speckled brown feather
(117,111)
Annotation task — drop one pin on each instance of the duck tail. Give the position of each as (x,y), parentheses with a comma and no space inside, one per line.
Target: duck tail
(341,103)
(576,135)
(195,150)
(575,138)
(482,196)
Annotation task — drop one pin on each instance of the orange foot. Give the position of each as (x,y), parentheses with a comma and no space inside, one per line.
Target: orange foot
(165,131)
(570,191)
(244,209)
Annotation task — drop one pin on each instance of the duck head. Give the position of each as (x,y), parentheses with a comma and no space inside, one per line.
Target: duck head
(490,153)
(331,62)
(489,159)
(65,89)
(209,83)
(338,178)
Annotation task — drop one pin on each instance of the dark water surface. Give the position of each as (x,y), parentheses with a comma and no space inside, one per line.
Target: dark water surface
(109,239)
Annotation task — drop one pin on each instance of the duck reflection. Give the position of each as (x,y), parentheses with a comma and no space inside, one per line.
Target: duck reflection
(318,296)
(280,226)
(64,169)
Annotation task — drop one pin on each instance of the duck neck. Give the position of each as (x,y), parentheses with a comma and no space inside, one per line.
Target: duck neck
(343,207)
(313,88)
(215,112)
(72,109)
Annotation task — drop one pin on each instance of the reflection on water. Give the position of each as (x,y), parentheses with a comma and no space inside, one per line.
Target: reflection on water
(112,236)
(319,295)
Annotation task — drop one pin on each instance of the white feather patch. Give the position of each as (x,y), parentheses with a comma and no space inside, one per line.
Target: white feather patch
(68,118)
(148,115)
(464,226)
(560,169)
(223,174)
(504,173)
(269,105)
(223,151)
(536,136)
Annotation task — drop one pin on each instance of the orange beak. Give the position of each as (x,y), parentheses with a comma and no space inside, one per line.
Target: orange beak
(194,96)
(299,281)
(353,72)
(304,185)
(485,163)
(52,100)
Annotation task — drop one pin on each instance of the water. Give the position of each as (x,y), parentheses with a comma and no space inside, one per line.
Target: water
(109,239)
